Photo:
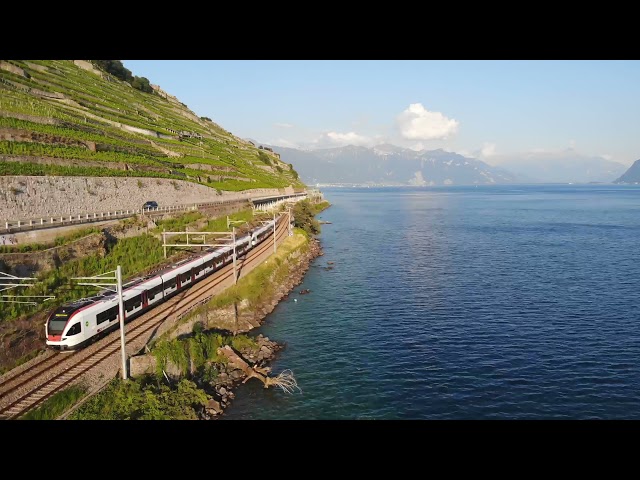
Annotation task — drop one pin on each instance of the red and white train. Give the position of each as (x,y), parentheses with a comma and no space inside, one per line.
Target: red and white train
(75,324)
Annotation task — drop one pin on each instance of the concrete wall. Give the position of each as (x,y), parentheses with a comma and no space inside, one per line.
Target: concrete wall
(26,197)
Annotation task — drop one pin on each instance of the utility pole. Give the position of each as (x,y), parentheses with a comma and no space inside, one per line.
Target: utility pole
(99,282)
(229,222)
(121,311)
(164,242)
(235,276)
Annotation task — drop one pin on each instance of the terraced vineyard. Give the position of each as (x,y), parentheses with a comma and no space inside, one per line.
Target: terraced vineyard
(66,117)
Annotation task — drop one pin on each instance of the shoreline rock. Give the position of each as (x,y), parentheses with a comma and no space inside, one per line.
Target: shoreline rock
(221,391)
(268,349)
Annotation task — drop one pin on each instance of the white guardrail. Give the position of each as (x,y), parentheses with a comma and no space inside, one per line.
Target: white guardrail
(13,226)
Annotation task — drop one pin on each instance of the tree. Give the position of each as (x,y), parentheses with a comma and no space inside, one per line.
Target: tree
(264,157)
(115,68)
(304,217)
(118,70)
(142,84)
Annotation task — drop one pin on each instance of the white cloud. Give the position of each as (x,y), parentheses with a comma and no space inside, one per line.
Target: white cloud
(488,150)
(283,125)
(336,139)
(350,137)
(606,156)
(418,123)
(281,142)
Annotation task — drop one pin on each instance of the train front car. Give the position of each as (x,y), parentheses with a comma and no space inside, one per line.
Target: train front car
(63,329)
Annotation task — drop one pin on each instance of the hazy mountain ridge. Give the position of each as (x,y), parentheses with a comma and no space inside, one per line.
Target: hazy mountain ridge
(567,166)
(387,164)
(391,165)
(632,175)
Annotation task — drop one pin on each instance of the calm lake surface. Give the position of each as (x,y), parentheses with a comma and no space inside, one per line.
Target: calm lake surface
(495,302)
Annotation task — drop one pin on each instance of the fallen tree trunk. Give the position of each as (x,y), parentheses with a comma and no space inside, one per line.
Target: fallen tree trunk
(285,380)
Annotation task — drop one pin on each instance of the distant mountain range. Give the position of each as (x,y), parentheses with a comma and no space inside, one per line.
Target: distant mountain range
(564,166)
(392,165)
(632,175)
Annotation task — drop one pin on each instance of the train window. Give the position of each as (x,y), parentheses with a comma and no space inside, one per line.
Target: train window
(56,326)
(75,330)
(185,277)
(209,264)
(170,284)
(107,315)
(132,303)
(102,317)
(152,292)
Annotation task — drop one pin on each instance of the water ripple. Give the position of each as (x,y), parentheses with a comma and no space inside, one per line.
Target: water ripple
(461,303)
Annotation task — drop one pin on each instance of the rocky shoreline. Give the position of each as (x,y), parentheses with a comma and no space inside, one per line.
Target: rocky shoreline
(230,377)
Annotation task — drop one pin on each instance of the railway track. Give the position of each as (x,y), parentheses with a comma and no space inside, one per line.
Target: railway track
(12,381)
(31,387)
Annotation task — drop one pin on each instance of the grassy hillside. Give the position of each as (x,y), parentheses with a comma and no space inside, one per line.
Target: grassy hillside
(65,117)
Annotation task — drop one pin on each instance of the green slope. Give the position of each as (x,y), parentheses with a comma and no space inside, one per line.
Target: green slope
(65,117)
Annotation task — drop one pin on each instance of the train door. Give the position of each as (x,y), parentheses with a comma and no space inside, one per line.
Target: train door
(178,282)
(193,274)
(145,300)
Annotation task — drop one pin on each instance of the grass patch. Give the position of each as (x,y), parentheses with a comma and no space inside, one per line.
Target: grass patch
(177,224)
(259,283)
(146,398)
(58,242)
(220,224)
(316,208)
(197,352)
(57,405)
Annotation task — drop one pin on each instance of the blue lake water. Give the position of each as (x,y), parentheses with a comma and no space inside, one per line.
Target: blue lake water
(495,302)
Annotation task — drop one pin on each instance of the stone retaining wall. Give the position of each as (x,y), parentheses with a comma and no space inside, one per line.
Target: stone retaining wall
(26,197)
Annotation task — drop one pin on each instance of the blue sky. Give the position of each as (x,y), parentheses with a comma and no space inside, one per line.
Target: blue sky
(494,110)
